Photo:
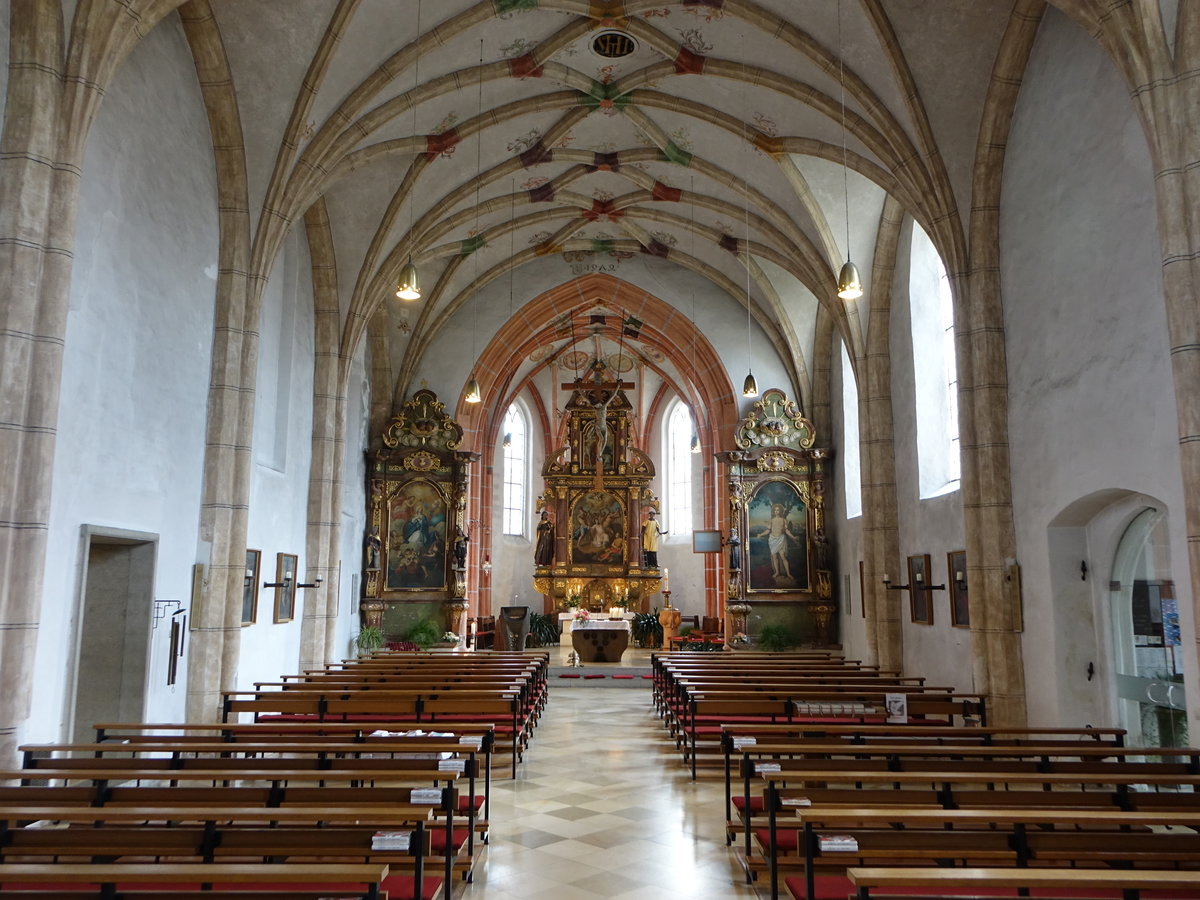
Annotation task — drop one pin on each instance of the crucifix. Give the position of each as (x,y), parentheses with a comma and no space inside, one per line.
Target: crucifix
(599,394)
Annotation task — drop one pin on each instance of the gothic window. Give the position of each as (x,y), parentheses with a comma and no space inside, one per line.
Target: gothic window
(679,468)
(851,470)
(515,433)
(931,308)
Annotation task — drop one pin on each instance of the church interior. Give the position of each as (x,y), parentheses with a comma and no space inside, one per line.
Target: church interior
(853,327)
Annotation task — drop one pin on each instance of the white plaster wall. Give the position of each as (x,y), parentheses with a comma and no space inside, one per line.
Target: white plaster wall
(939,651)
(135,376)
(1092,405)
(354,504)
(845,534)
(282,453)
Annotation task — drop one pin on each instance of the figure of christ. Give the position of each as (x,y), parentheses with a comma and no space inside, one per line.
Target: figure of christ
(778,530)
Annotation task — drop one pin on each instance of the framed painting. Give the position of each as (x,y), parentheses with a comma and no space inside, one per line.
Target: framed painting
(250,587)
(285,587)
(598,529)
(956,587)
(777,538)
(416,538)
(920,607)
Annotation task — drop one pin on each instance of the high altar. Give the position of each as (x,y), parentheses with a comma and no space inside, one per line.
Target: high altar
(597,491)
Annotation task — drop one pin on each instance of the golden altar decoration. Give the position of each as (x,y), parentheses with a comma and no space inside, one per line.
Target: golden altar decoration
(596,496)
(776,482)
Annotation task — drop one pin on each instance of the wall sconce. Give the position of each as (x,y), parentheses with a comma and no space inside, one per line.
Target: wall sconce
(287,581)
(315,583)
(887,583)
(249,579)
(921,586)
(486,565)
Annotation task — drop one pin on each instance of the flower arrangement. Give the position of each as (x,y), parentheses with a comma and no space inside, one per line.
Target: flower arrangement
(581,615)
(449,637)
(739,639)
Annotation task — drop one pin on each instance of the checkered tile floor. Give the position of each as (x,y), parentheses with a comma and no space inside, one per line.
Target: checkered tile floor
(603,807)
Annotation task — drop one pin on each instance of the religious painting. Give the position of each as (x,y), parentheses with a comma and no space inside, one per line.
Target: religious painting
(285,587)
(598,529)
(250,587)
(416,538)
(920,607)
(956,588)
(777,538)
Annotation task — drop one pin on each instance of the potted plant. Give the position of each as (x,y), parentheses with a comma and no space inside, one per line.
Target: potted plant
(543,629)
(424,633)
(368,640)
(646,629)
(776,638)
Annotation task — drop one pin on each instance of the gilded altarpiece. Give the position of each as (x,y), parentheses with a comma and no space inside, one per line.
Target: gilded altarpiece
(417,490)
(596,498)
(776,482)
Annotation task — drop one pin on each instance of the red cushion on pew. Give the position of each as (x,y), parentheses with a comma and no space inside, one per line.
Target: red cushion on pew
(786,840)
(571,675)
(648,676)
(437,839)
(465,802)
(757,804)
(402,887)
(593,676)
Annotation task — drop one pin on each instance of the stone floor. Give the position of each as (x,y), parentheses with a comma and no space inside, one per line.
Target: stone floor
(603,807)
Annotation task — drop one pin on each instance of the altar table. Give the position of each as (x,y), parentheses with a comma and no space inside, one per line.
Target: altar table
(600,640)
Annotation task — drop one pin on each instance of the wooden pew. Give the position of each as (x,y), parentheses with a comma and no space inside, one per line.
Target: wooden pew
(867,879)
(1027,836)
(954,789)
(366,879)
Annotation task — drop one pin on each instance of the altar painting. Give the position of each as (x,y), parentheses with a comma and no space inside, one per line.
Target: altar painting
(416,548)
(598,529)
(777,538)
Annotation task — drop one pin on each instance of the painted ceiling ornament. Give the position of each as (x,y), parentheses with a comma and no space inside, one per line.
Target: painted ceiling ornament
(423,422)
(775,421)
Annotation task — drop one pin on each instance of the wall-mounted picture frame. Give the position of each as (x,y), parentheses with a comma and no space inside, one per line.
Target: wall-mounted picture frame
(250,587)
(920,604)
(197,594)
(956,588)
(285,587)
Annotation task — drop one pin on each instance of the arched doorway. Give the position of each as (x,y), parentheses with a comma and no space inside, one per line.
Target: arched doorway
(1145,628)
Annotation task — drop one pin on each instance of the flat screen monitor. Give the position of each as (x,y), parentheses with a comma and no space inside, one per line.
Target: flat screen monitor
(706,542)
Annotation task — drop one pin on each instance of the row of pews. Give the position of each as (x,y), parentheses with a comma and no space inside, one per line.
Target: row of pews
(831,799)
(369,778)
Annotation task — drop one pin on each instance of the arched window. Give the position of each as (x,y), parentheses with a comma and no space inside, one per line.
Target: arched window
(851,469)
(931,308)
(516,470)
(679,469)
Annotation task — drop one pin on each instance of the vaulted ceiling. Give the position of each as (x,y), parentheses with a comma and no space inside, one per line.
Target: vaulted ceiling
(478,136)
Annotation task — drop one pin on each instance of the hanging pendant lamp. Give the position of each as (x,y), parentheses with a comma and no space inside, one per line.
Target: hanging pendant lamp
(472,393)
(849,282)
(409,287)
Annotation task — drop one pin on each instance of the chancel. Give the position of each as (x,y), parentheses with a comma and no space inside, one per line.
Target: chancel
(837,345)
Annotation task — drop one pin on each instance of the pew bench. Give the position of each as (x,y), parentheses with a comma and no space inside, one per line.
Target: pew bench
(937,883)
(226,881)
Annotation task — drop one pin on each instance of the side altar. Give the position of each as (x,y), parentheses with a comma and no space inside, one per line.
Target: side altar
(596,498)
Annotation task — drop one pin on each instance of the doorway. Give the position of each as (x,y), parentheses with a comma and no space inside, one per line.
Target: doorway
(112,629)
(1145,618)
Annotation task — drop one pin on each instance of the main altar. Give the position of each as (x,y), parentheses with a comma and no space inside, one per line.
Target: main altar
(597,494)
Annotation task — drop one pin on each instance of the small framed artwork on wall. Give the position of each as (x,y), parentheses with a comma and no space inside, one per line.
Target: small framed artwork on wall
(920,607)
(956,570)
(250,587)
(285,586)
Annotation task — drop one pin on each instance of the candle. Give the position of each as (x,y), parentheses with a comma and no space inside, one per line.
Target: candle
(666,584)
(886,578)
